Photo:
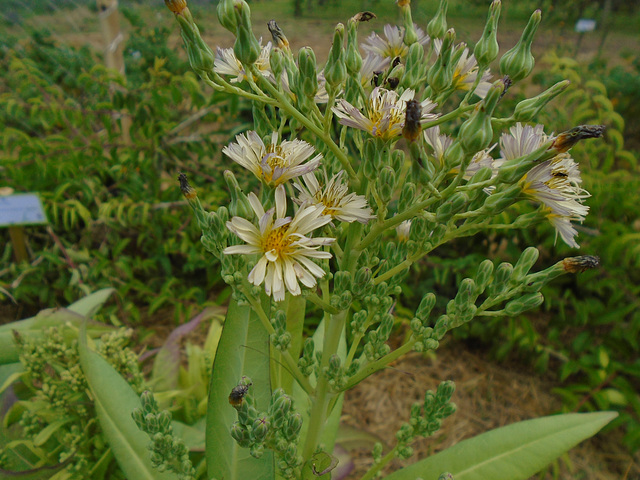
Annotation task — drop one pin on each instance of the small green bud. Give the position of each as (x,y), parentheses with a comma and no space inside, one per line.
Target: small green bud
(294,424)
(446,476)
(440,74)
(426,305)
(437,27)
(410,34)
(307,72)
(453,205)
(397,160)
(501,279)
(528,258)
(281,407)
(529,301)
(341,281)
(441,326)
(483,276)
(277,62)
(353,60)
(486,50)
(335,71)
(386,183)
(466,294)
(445,391)
(415,66)
(529,109)
(454,155)
(362,281)
(259,429)
(518,62)
(227,15)
(239,205)
(358,320)
(240,434)
(476,133)
(499,201)
(407,196)
(246,48)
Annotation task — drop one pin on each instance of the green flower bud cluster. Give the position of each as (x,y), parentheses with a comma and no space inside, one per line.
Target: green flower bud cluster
(307,362)
(415,68)
(375,347)
(168,453)
(342,296)
(420,325)
(426,418)
(362,283)
(281,339)
(124,360)
(454,204)
(335,373)
(277,429)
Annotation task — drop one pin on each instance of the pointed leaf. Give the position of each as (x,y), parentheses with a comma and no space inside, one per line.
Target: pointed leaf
(242,350)
(514,452)
(114,401)
(89,305)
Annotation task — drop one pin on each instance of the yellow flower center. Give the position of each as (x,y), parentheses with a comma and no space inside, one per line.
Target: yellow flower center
(278,240)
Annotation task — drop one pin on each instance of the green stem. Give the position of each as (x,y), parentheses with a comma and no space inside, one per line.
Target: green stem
(326,306)
(286,356)
(379,364)
(373,471)
(222,84)
(449,116)
(319,407)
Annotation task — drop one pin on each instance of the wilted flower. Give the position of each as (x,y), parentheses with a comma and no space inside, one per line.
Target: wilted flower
(335,198)
(285,251)
(393,45)
(555,183)
(385,114)
(275,163)
(226,63)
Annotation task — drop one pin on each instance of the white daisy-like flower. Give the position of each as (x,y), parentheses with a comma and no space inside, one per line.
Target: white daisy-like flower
(274,163)
(403,230)
(466,71)
(392,46)
(385,113)
(286,253)
(555,182)
(334,198)
(483,159)
(438,142)
(226,63)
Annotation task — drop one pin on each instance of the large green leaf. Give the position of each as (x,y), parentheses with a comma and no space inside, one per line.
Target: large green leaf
(114,401)
(89,305)
(514,452)
(243,350)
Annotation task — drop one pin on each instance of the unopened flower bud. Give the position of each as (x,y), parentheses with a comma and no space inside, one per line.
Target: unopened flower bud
(227,15)
(407,196)
(276,62)
(518,62)
(239,205)
(426,305)
(353,58)
(528,109)
(527,302)
(307,72)
(476,132)
(440,74)
(524,264)
(451,206)
(445,391)
(437,27)
(240,434)
(335,71)
(497,202)
(386,183)
(410,34)
(259,429)
(246,48)
(294,424)
(501,279)
(483,276)
(341,282)
(486,50)
(466,294)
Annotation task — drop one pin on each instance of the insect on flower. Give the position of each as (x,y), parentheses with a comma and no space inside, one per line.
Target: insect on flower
(238,393)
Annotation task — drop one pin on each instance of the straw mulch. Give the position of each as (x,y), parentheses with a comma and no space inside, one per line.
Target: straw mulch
(487,395)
